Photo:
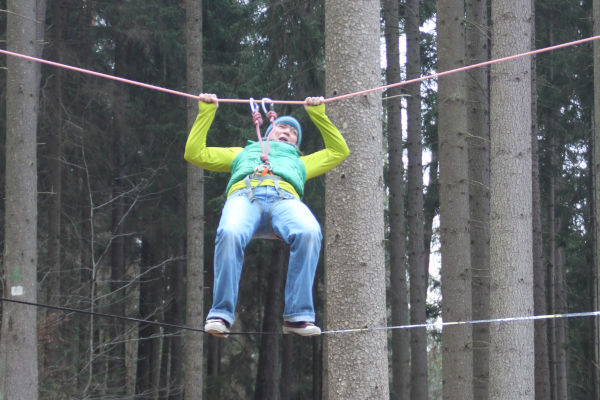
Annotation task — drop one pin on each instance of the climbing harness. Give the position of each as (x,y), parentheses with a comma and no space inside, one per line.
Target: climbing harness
(281,195)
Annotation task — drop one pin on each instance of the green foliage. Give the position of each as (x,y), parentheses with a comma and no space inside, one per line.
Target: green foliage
(427,11)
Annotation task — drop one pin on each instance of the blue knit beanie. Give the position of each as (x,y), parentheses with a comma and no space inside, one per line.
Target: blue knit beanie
(288,120)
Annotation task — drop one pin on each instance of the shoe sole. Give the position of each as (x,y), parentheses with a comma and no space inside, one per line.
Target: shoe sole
(217,330)
(218,334)
(287,331)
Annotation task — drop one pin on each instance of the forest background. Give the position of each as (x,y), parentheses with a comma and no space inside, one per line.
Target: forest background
(111,212)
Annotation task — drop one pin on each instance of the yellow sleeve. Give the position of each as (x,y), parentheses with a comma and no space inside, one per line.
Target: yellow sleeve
(216,159)
(335,151)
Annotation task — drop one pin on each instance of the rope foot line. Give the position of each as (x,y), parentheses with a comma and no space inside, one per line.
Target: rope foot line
(438,325)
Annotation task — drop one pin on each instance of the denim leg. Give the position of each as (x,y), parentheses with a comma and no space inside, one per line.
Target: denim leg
(293,221)
(239,220)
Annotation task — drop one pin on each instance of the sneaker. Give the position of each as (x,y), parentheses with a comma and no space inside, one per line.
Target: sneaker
(217,327)
(301,328)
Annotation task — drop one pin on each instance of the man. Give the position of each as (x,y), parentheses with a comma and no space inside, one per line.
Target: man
(264,196)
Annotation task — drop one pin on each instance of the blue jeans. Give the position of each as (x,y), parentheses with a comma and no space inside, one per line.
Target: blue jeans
(292,221)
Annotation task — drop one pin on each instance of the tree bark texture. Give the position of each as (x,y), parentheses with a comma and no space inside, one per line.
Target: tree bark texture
(151,306)
(176,316)
(431,203)
(52,353)
(119,133)
(287,367)
(267,376)
(356,364)
(542,361)
(561,326)
(477,35)
(596,203)
(18,339)
(418,270)
(511,286)
(551,261)
(454,204)
(193,343)
(397,236)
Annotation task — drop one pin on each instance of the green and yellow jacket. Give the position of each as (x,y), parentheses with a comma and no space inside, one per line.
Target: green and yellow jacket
(285,159)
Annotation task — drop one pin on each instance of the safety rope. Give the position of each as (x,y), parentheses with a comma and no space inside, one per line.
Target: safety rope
(258,121)
(265,168)
(302,102)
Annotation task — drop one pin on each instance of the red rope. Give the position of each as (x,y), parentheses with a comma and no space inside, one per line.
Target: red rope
(298,102)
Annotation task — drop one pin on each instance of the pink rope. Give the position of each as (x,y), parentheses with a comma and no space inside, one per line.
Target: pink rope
(257,119)
(298,102)
(272,115)
(265,156)
(99,74)
(465,68)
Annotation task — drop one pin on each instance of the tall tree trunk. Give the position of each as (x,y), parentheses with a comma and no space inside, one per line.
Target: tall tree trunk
(590,360)
(117,245)
(287,367)
(431,205)
(213,369)
(561,326)
(81,211)
(267,377)
(356,364)
(18,339)
(148,363)
(165,355)
(85,274)
(193,351)
(53,356)
(176,316)
(415,214)
(596,203)
(397,236)
(477,34)
(558,337)
(542,361)
(454,204)
(512,361)
(317,358)
(551,257)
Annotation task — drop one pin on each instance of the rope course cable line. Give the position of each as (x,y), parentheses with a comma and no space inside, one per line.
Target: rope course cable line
(120,317)
(301,102)
(441,324)
(431,325)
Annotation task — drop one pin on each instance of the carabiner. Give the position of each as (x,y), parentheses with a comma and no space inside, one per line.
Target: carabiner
(263,104)
(253,106)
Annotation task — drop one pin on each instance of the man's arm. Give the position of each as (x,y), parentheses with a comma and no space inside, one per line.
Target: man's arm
(196,152)
(336,149)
